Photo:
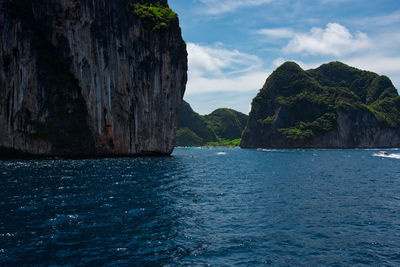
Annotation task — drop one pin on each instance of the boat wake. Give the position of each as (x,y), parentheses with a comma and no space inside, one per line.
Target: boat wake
(382,155)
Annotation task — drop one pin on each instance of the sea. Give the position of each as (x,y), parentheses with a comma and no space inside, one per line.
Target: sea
(204,207)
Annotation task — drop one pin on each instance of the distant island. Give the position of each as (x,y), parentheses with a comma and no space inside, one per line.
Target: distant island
(333,106)
(222,127)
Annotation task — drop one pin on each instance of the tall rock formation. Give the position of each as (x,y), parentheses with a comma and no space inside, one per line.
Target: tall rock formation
(333,106)
(89,78)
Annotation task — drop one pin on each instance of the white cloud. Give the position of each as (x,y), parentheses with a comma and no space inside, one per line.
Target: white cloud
(277,32)
(215,7)
(218,69)
(383,65)
(380,20)
(378,53)
(379,64)
(218,61)
(242,83)
(305,66)
(335,40)
(279,61)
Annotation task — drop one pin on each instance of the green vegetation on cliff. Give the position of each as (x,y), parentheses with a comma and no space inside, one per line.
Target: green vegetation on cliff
(192,128)
(222,127)
(186,137)
(300,105)
(227,123)
(158,15)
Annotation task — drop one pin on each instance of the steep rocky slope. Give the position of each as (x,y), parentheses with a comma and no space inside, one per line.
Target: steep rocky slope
(89,78)
(192,128)
(333,106)
(218,127)
(227,123)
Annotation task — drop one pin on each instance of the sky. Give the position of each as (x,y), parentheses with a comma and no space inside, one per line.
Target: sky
(234,45)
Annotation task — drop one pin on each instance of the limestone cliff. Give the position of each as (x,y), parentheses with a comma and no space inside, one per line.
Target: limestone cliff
(333,106)
(89,78)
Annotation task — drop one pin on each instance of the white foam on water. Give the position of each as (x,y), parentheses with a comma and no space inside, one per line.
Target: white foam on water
(392,156)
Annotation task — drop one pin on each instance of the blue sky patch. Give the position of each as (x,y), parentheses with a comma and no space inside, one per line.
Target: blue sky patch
(233,45)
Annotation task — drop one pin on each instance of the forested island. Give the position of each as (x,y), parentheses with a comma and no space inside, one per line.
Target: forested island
(222,127)
(333,106)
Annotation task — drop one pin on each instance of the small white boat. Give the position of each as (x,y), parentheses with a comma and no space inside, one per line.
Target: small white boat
(383,153)
(221,153)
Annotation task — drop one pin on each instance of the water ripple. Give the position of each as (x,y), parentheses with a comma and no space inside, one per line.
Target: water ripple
(241,208)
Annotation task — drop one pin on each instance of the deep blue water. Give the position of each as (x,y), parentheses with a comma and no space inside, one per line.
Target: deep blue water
(245,208)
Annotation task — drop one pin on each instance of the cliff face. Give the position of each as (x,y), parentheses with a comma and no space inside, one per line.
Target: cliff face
(83,77)
(333,106)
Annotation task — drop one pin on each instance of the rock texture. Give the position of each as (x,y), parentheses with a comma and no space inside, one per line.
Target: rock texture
(87,78)
(333,106)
